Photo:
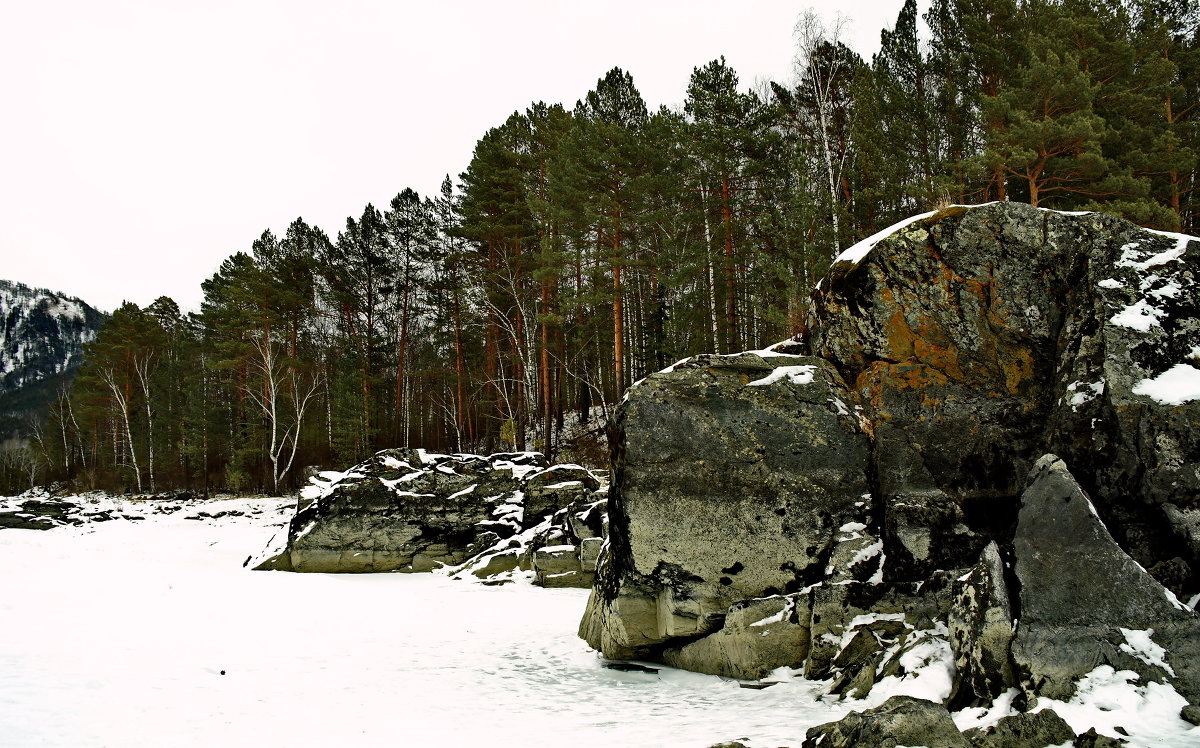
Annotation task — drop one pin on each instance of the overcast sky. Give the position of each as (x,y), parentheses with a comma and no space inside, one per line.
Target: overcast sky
(142,142)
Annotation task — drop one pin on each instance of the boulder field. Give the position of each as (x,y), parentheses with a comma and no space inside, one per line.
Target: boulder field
(984,453)
(414,511)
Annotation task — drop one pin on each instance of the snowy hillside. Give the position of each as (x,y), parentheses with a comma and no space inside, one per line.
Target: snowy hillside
(42,335)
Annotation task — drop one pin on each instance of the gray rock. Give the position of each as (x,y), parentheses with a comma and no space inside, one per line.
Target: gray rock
(1191,714)
(981,631)
(413,511)
(1091,739)
(758,636)
(1078,589)
(1029,730)
(492,564)
(901,720)
(733,477)
(589,553)
(944,363)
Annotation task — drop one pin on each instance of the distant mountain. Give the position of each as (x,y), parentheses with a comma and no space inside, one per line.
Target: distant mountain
(42,335)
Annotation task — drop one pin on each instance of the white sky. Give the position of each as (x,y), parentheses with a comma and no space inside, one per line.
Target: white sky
(142,142)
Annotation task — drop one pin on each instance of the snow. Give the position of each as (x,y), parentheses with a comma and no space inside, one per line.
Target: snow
(1142,646)
(65,309)
(322,483)
(986,716)
(1139,316)
(858,252)
(929,669)
(1083,393)
(469,489)
(552,549)
(391,463)
(519,472)
(1175,386)
(1169,291)
(117,633)
(871,551)
(1106,699)
(853,531)
(797,374)
(1133,256)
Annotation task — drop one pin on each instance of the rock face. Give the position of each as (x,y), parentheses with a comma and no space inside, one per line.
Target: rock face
(980,339)
(413,511)
(1086,602)
(864,489)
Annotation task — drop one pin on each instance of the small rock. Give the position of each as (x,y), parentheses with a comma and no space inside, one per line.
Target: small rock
(1191,713)
(901,720)
(630,667)
(1029,730)
(1091,739)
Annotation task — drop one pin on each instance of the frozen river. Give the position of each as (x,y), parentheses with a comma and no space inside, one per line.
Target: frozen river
(117,634)
(151,633)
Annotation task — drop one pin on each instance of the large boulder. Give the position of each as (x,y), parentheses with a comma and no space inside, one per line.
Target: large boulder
(873,470)
(414,511)
(980,338)
(734,476)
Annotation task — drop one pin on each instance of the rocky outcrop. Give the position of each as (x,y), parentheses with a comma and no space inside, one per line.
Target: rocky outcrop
(903,720)
(873,490)
(414,511)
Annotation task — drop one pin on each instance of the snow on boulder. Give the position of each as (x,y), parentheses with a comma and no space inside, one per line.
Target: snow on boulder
(414,511)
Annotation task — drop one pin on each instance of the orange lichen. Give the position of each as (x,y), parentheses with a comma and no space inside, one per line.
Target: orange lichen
(1017,367)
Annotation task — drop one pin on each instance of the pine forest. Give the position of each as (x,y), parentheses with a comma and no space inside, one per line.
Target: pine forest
(588,245)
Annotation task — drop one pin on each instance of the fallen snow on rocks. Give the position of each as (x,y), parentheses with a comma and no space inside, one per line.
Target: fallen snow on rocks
(1175,386)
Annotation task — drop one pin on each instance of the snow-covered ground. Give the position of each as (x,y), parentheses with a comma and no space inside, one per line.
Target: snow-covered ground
(151,633)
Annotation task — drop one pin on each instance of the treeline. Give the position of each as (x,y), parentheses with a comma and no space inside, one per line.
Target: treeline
(586,247)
